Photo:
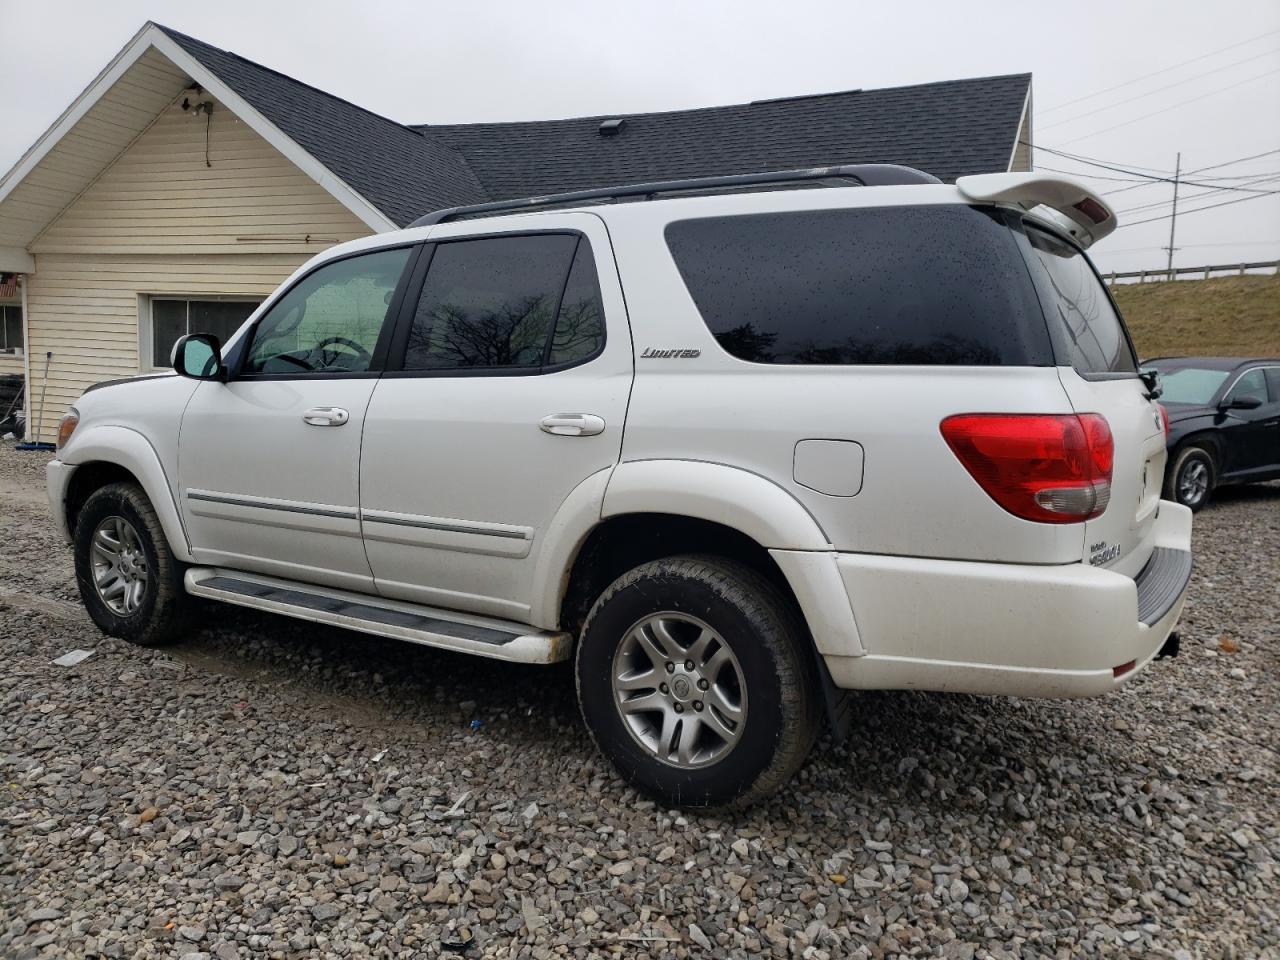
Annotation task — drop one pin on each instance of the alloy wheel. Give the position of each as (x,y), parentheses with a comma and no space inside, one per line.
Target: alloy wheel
(1193,482)
(679,690)
(120,574)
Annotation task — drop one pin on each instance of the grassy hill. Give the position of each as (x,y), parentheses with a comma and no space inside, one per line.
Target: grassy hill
(1222,316)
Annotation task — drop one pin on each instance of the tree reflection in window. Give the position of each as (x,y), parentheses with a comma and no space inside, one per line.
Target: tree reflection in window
(579,329)
(491,303)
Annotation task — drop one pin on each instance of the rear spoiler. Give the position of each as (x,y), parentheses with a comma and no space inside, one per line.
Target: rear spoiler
(1066,203)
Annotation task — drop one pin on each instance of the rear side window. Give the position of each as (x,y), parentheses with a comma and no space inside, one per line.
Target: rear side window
(1273,382)
(1076,300)
(877,285)
(520,302)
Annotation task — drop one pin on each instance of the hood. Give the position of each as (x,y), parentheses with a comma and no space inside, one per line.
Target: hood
(1188,411)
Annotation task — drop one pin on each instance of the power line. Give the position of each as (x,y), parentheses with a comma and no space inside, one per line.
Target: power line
(1215,166)
(1227,163)
(1203,193)
(1095,162)
(1093,176)
(1224,203)
(1156,73)
(1092,162)
(1138,173)
(1182,103)
(1167,86)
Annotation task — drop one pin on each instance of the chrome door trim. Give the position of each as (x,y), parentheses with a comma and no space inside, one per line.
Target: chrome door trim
(424,523)
(281,505)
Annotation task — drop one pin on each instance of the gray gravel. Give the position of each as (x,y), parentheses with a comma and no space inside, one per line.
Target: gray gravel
(267,788)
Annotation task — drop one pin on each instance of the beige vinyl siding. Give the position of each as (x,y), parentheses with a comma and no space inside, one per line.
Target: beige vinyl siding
(85,309)
(159,222)
(160,197)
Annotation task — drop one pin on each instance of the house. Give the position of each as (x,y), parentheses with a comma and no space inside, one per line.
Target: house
(186,182)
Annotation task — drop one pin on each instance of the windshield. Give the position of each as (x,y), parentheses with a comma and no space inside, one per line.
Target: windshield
(1190,384)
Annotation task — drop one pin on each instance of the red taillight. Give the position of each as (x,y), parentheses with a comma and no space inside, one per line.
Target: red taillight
(1050,468)
(1164,419)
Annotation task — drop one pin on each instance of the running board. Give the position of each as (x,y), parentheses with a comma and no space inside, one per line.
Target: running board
(430,626)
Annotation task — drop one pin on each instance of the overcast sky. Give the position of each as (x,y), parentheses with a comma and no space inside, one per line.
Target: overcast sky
(458,62)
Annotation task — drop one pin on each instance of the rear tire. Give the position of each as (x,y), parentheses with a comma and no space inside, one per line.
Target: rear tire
(129,579)
(733,708)
(1192,477)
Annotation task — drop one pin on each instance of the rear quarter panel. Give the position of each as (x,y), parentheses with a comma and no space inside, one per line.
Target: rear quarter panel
(916,498)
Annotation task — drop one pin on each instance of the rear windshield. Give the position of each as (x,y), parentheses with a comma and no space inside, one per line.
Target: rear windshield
(939,284)
(1076,300)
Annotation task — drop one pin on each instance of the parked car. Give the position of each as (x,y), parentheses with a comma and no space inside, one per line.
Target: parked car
(1224,423)
(734,449)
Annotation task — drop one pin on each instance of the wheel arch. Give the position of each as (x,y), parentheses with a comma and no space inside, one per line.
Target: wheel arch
(645,510)
(110,454)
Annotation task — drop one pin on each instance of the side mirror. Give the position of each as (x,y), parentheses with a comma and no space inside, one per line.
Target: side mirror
(1240,403)
(199,356)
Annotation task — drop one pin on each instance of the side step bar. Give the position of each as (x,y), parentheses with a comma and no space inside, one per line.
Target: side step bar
(483,636)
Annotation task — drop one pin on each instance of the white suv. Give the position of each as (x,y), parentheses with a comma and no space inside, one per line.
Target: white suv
(733,446)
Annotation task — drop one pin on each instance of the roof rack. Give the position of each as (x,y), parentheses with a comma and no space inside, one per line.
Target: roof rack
(861,174)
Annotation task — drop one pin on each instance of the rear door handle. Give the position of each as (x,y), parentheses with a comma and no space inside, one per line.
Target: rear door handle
(326,416)
(572,424)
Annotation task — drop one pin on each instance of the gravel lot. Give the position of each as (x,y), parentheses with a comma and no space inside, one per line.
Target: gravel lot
(268,788)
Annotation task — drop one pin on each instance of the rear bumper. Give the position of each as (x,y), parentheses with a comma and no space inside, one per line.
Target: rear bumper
(1029,631)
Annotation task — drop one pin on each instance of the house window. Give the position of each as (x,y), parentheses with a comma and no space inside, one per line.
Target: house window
(10,329)
(172,318)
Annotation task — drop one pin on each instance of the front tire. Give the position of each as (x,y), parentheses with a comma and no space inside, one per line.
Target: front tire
(1193,477)
(695,680)
(129,579)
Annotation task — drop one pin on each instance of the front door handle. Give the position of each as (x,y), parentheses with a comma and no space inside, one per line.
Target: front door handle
(572,424)
(326,416)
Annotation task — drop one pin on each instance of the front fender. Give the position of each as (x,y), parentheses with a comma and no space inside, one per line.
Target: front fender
(131,450)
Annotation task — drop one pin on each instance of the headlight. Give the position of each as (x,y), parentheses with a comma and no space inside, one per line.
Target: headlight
(67,426)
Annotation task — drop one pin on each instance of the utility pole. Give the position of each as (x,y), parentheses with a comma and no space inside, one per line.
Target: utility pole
(1173,219)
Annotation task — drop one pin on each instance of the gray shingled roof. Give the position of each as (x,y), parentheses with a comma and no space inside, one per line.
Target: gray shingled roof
(401,171)
(948,129)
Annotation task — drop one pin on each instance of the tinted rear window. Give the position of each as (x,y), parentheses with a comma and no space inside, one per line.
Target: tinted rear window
(1076,299)
(877,285)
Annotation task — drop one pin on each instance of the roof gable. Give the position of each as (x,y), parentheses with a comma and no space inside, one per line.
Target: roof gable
(401,171)
(948,129)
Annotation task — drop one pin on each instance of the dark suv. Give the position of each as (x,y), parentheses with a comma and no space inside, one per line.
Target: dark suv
(1224,423)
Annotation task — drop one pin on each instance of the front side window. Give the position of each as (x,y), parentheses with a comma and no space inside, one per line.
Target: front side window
(173,317)
(1076,300)
(330,321)
(520,302)
(875,285)
(1250,386)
